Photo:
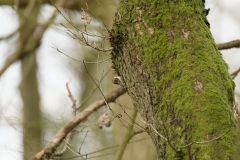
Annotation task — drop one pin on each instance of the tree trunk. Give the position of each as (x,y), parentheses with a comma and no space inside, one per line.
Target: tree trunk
(171,67)
(31,111)
(32,128)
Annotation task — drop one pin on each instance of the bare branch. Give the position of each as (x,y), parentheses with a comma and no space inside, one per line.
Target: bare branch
(48,151)
(21,49)
(229,45)
(82,35)
(68,4)
(235,73)
(72,99)
(82,61)
(10,35)
(94,89)
(108,148)
(69,136)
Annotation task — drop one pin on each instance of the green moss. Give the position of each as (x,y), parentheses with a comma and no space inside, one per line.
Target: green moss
(176,63)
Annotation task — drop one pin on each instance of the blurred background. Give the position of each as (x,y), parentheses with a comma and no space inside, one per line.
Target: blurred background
(34,100)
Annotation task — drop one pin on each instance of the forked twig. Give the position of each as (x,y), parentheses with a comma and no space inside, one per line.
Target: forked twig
(68,139)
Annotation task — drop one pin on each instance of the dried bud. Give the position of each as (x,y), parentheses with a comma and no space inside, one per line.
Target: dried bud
(104,120)
(117,80)
(85,17)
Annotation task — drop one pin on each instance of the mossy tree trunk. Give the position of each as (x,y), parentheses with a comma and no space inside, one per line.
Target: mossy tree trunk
(167,58)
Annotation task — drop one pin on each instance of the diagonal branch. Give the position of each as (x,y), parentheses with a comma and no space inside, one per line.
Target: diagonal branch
(235,73)
(48,151)
(229,45)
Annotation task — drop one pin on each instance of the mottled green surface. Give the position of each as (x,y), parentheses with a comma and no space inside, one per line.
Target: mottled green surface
(170,64)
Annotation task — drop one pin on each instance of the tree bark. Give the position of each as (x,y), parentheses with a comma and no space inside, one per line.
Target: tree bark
(171,67)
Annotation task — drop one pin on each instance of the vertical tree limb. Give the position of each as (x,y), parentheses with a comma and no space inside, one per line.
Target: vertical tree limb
(130,133)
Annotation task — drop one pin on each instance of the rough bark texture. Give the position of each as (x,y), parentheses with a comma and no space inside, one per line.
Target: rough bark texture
(167,58)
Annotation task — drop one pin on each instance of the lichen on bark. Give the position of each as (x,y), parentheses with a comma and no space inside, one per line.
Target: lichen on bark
(167,58)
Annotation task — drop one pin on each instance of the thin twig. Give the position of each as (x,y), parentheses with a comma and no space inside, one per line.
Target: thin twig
(235,73)
(94,89)
(72,99)
(129,123)
(48,150)
(104,97)
(154,129)
(100,150)
(195,142)
(117,102)
(21,49)
(82,37)
(75,152)
(96,84)
(77,59)
(11,34)
(83,141)
(69,136)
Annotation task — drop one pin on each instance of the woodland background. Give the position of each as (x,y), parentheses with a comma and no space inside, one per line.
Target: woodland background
(54,70)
